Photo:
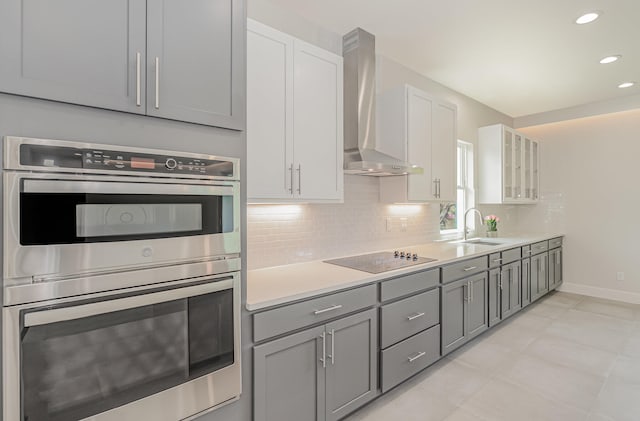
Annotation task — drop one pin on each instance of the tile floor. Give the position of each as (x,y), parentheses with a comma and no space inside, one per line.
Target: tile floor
(567,357)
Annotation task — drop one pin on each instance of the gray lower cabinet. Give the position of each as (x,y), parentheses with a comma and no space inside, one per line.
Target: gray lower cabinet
(539,275)
(322,373)
(464,311)
(136,56)
(495,294)
(526,282)
(555,268)
(511,289)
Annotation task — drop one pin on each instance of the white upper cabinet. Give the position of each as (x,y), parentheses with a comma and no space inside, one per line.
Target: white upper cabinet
(421,129)
(294,119)
(508,166)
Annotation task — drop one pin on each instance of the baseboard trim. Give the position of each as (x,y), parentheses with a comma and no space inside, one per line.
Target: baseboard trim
(606,293)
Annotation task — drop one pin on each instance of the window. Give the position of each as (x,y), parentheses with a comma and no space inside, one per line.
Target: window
(452,214)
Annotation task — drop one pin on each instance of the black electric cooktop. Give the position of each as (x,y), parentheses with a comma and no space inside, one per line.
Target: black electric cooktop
(381,262)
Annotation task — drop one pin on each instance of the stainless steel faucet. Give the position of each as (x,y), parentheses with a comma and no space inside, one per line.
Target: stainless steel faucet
(465,220)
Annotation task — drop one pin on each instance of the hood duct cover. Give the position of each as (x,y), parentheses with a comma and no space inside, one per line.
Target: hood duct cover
(360,154)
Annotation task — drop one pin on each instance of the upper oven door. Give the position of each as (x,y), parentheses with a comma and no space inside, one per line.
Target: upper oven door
(57,225)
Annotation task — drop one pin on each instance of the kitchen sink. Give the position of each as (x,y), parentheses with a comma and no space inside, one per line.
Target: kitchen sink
(483,242)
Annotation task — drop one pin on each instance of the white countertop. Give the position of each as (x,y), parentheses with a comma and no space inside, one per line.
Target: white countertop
(281,284)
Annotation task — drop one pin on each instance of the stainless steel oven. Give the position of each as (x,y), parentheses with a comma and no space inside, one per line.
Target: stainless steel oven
(121,282)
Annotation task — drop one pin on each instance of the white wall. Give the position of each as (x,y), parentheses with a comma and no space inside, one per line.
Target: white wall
(280,235)
(589,184)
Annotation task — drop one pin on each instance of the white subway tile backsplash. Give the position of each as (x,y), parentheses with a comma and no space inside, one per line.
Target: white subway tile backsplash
(284,234)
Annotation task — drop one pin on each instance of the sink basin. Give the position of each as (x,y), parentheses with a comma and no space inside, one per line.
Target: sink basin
(483,242)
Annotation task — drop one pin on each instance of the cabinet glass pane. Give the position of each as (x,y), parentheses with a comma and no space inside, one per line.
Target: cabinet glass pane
(517,166)
(534,172)
(508,164)
(527,168)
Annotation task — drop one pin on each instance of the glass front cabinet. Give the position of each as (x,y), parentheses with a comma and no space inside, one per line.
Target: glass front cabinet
(508,166)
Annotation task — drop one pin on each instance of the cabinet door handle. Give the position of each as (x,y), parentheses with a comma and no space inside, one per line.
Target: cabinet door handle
(157,83)
(299,179)
(500,282)
(328,309)
(415,316)
(439,189)
(324,349)
(138,101)
(418,355)
(467,269)
(435,187)
(333,347)
(471,292)
(291,178)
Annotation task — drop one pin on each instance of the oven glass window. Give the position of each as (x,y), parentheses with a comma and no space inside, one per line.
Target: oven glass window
(67,218)
(78,368)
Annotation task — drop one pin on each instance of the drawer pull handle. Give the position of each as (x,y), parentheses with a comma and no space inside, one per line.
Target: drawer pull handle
(415,316)
(418,355)
(328,309)
(467,269)
(496,260)
(541,247)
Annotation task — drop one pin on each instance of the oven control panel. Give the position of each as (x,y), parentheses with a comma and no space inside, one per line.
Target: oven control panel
(120,160)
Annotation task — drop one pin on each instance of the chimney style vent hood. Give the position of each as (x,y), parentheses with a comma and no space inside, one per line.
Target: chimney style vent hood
(360,154)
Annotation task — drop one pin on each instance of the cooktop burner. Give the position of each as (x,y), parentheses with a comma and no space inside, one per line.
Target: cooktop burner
(381,262)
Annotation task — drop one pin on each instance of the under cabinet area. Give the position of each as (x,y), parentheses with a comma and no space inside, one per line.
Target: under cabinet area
(508,163)
(129,56)
(292,156)
(324,357)
(421,129)
(410,327)
(321,373)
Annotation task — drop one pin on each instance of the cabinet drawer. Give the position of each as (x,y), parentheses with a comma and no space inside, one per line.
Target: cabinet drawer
(409,357)
(407,317)
(541,247)
(495,260)
(555,243)
(409,284)
(462,269)
(285,319)
(526,251)
(512,255)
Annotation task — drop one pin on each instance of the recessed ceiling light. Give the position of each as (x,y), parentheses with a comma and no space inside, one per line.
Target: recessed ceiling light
(588,17)
(610,59)
(626,85)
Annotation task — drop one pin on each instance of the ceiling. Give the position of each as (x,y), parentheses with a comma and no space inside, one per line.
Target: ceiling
(520,57)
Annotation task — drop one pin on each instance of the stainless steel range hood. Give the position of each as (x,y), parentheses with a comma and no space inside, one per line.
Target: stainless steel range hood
(360,154)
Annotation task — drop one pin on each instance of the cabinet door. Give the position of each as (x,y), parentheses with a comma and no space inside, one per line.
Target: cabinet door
(535,183)
(555,268)
(79,51)
(195,61)
(318,144)
(477,315)
(495,297)
(352,363)
(289,378)
(539,279)
(526,282)
(508,165)
(419,139)
(269,105)
(454,317)
(515,288)
(443,152)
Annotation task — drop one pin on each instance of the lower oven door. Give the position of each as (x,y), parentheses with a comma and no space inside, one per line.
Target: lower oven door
(163,355)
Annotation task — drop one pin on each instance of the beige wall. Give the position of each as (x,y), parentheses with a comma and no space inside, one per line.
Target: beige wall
(589,180)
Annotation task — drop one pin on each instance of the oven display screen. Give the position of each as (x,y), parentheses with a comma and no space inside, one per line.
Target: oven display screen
(142,163)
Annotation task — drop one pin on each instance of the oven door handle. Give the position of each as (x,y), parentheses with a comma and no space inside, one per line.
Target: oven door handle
(105,187)
(44,317)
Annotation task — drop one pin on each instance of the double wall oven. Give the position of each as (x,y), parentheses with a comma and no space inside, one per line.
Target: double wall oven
(121,282)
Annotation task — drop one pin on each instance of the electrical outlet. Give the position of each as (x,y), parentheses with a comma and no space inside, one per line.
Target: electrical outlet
(620,276)
(403,224)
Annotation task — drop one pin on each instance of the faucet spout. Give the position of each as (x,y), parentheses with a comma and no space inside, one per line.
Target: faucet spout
(465,220)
